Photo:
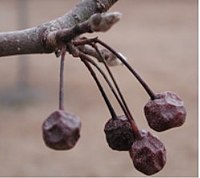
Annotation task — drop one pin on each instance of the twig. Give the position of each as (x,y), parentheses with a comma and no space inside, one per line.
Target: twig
(96,23)
(34,40)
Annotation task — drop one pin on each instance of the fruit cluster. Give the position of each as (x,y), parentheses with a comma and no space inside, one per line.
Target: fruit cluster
(61,130)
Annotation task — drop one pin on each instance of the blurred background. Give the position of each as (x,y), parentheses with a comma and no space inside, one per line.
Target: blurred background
(159,38)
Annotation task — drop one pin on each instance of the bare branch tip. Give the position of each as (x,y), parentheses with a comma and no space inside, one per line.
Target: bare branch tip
(103,22)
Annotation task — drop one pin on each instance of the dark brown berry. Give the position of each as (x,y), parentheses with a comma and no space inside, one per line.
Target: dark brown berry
(148,153)
(119,134)
(165,112)
(61,130)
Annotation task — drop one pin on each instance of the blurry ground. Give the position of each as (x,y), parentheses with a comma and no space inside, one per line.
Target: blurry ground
(159,37)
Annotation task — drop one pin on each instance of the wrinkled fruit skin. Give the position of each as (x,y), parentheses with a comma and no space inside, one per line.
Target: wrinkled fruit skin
(148,154)
(119,134)
(165,112)
(61,130)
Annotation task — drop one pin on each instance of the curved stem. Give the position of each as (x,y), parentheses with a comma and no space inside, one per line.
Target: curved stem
(127,113)
(61,86)
(107,81)
(114,81)
(111,110)
(124,106)
(142,82)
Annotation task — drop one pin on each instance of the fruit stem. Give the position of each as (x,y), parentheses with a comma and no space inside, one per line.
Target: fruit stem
(107,81)
(111,110)
(114,81)
(122,102)
(128,115)
(61,82)
(142,82)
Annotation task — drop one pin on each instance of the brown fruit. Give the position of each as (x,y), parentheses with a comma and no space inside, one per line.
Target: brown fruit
(119,134)
(165,112)
(148,153)
(61,130)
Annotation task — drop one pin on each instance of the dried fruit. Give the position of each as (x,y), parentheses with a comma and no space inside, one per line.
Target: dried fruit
(61,130)
(165,112)
(119,133)
(148,153)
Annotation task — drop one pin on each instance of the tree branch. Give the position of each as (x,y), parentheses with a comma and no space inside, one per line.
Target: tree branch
(34,40)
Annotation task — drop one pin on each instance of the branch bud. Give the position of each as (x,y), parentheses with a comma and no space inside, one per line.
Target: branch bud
(111,59)
(103,22)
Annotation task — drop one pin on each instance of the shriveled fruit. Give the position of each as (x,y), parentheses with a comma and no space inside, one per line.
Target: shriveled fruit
(165,112)
(148,153)
(119,134)
(61,130)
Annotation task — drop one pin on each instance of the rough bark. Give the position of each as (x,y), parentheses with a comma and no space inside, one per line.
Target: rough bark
(33,40)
